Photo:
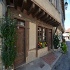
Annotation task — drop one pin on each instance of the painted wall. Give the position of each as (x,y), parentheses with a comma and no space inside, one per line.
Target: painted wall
(43,51)
(32,35)
(32,43)
(31,56)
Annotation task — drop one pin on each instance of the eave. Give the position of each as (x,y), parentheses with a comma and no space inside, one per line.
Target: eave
(34,10)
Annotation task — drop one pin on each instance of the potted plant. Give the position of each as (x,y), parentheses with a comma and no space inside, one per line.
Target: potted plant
(63,46)
(42,44)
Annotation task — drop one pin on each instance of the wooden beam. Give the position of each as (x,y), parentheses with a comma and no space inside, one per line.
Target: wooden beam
(31,8)
(45,17)
(37,12)
(41,15)
(23,5)
(15,3)
(54,23)
(51,20)
(48,19)
(8,2)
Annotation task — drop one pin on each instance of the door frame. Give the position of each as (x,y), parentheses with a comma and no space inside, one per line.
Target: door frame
(24,42)
(50,31)
(26,33)
(21,26)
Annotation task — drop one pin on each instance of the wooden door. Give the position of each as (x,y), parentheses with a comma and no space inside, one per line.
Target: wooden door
(20,59)
(49,39)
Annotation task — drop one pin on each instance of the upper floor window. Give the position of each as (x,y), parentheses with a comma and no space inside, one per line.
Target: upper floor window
(55,3)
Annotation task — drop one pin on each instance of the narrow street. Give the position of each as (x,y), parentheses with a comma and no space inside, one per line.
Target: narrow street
(64,62)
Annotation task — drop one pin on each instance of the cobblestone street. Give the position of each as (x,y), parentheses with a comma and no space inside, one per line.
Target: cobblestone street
(64,62)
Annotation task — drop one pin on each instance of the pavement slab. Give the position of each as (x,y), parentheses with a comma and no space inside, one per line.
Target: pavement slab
(50,58)
(43,63)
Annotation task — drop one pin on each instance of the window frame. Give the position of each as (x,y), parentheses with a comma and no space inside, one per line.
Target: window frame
(42,36)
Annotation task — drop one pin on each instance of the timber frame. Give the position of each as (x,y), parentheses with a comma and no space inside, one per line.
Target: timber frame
(34,10)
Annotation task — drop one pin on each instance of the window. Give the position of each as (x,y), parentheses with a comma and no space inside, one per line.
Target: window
(42,37)
(44,34)
(39,34)
(57,5)
(21,23)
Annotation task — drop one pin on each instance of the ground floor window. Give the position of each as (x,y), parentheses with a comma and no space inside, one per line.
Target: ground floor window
(42,42)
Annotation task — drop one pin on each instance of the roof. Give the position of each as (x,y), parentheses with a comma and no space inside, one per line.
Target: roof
(68,30)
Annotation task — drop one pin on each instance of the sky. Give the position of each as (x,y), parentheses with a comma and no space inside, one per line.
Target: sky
(67,16)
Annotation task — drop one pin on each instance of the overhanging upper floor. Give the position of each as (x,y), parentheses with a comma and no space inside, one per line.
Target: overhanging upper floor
(41,9)
(49,8)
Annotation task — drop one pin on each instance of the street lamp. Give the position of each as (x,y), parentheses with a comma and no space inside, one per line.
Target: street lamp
(66,5)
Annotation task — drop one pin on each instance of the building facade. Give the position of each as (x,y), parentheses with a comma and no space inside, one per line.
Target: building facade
(37,22)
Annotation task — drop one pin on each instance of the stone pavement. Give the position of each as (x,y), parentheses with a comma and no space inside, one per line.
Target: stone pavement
(44,63)
(64,62)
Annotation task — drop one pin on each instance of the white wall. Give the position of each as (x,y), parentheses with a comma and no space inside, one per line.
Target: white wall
(31,56)
(32,43)
(32,35)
